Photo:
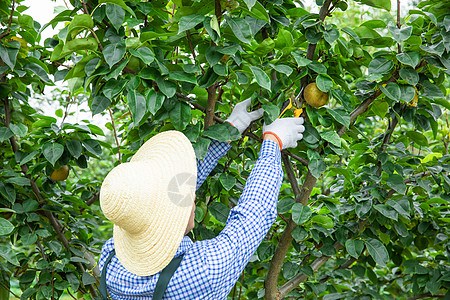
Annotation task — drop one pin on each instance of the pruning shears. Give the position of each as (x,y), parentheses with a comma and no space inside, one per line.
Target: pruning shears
(289,103)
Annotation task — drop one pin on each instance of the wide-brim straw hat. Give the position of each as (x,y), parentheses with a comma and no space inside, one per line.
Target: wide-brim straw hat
(149,200)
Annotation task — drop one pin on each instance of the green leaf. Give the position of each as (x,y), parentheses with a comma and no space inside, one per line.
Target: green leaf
(384,4)
(437,49)
(219,211)
(402,34)
(317,167)
(340,116)
(182,76)
(282,69)
(265,47)
(395,181)
(323,221)
(37,70)
(99,104)
(271,113)
(93,146)
(378,251)
(29,157)
(407,92)
(331,137)
(387,211)
(380,65)
(313,36)
(144,53)
(120,3)
(52,151)
(300,213)
(324,82)
(222,132)
(189,22)
(5,227)
(212,56)
(392,90)
(409,58)
(432,90)
(284,39)
(418,138)
(240,28)
(285,205)
(301,60)
(354,247)
(380,108)
(9,56)
(28,239)
(114,52)
(81,22)
(74,147)
(19,130)
(261,77)
(201,147)
(227,181)
(77,44)
(265,251)
(331,35)
(250,3)
(317,67)
(5,133)
(88,279)
(410,75)
(137,105)
(258,12)
(115,14)
(154,101)
(8,192)
(352,34)
(220,70)
(180,115)
(167,87)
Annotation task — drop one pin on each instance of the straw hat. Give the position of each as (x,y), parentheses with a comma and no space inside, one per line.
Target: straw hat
(149,200)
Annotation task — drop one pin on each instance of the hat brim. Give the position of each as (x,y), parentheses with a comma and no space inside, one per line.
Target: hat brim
(148,250)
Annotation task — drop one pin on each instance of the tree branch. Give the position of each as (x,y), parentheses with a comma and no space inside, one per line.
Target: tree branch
(210,106)
(299,278)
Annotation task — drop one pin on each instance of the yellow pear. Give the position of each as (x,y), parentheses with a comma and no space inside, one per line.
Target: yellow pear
(315,97)
(60,174)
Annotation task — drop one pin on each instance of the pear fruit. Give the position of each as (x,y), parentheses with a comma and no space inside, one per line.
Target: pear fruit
(315,97)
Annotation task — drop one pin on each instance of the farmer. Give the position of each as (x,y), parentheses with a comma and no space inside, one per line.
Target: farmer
(150,200)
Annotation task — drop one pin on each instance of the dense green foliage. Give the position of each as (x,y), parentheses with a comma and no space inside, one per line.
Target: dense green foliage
(364,207)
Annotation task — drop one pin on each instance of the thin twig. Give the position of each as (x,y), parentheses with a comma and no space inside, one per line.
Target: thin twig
(115,133)
(38,242)
(9,290)
(12,13)
(85,7)
(242,283)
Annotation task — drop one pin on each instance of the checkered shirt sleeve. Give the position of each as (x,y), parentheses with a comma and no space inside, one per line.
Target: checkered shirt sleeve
(215,152)
(210,268)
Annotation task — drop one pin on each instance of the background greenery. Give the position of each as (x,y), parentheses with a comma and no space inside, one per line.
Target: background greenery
(364,206)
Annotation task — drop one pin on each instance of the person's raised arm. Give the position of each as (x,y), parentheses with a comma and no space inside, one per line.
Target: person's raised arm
(239,118)
(249,221)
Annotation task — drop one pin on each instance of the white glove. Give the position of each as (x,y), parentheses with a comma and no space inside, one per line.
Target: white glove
(241,118)
(287,130)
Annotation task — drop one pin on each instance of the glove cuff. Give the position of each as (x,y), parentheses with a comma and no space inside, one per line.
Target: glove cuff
(276,136)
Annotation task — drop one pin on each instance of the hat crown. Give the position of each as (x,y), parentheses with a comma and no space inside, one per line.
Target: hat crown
(149,200)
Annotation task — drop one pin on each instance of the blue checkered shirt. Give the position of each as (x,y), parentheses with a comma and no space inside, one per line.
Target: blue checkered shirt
(210,268)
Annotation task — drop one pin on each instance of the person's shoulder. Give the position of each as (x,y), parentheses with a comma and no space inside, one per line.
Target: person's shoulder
(107,247)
